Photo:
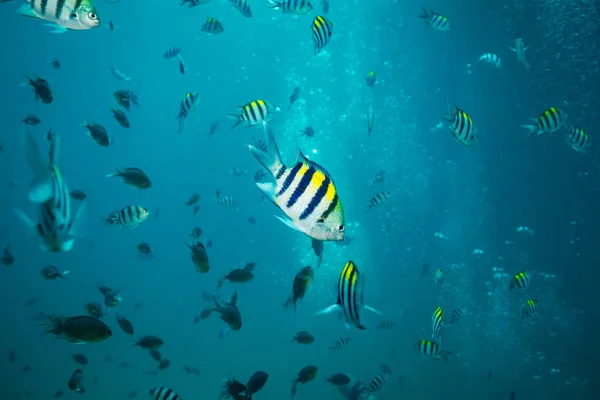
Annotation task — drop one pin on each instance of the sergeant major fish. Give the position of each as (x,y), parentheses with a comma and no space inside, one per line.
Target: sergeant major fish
(547,122)
(322,30)
(298,7)
(578,139)
(189,102)
(435,20)
(63,14)
(255,113)
(461,126)
(243,7)
(305,193)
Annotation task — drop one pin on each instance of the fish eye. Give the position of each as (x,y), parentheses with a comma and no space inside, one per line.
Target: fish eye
(341,228)
(109,332)
(92,15)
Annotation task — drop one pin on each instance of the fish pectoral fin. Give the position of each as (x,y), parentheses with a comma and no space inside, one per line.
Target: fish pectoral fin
(373,310)
(288,222)
(328,310)
(25,218)
(80,218)
(57,28)
(41,187)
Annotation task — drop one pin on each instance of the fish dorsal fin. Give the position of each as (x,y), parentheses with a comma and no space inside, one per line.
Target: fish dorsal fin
(53,154)
(234,298)
(302,158)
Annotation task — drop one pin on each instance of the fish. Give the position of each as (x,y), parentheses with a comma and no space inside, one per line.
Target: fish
(31,120)
(200,257)
(437,321)
(173,52)
(322,30)
(243,7)
(256,382)
(520,281)
(370,120)
(55,63)
(193,3)
(294,96)
(125,325)
(378,178)
(129,217)
(212,25)
(547,122)
(51,273)
(121,118)
(7,258)
(521,50)
(80,329)
(182,68)
(491,58)
(371,78)
(297,7)
(318,248)
(325,5)
(457,313)
(439,278)
(378,382)
(94,309)
(305,192)
(212,129)
(340,344)
(301,287)
(350,296)
(125,98)
(378,200)
(461,126)
(254,113)
(303,337)
(194,199)
(163,393)
(57,227)
(388,324)
(144,251)
(132,176)
(305,375)
(431,349)
(308,131)
(119,74)
(339,379)
(98,133)
(239,275)
(577,139)
(80,359)
(78,195)
(150,342)
(75,382)
(189,102)
(63,15)
(229,312)
(531,309)
(435,20)
(41,88)
(232,388)
(164,364)
(227,201)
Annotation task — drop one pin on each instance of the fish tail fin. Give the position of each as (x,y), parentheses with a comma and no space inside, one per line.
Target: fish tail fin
(445,355)
(328,310)
(116,172)
(425,14)
(25,218)
(274,4)
(294,387)
(41,185)
(270,159)
(237,118)
(288,302)
(63,274)
(532,128)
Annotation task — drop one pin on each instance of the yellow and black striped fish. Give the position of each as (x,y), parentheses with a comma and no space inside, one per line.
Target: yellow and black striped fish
(371,78)
(66,14)
(350,296)
(305,193)
(377,200)
(255,113)
(298,7)
(531,309)
(439,278)
(520,280)
(129,217)
(435,20)
(437,324)
(578,139)
(212,25)
(243,7)
(549,121)
(187,104)
(431,349)
(461,126)
(322,29)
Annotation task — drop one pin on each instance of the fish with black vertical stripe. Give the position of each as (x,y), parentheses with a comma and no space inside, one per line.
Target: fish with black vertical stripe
(435,20)
(163,393)
(547,122)
(255,113)
(322,30)
(350,296)
(578,139)
(305,192)
(129,217)
(189,102)
(243,7)
(461,126)
(63,15)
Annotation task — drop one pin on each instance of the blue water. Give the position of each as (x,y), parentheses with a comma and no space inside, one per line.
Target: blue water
(474,198)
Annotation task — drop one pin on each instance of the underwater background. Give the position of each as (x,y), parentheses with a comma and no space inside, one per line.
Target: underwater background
(481,214)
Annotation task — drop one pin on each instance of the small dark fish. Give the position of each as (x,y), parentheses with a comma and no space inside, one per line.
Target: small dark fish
(12,356)
(7,258)
(164,364)
(41,90)
(490,375)
(50,135)
(94,309)
(305,375)
(256,382)
(233,388)
(229,312)
(51,273)
(55,63)
(80,329)
(58,393)
(182,68)
(200,257)
(144,251)
(75,382)
(196,232)
(308,131)
(111,25)
(80,359)
(370,119)
(239,275)
(303,337)
(387,325)
(125,324)
(121,118)
(125,98)
(339,379)
(124,364)
(132,176)
(133,394)
(98,133)
(251,220)
(301,287)
(155,354)
(26,368)
(149,342)
(294,96)
(78,195)
(31,120)
(212,129)
(194,199)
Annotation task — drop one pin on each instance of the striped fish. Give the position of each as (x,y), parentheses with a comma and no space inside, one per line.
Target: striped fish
(187,104)
(520,280)
(298,7)
(129,217)
(212,25)
(371,78)
(437,324)
(379,178)
(56,225)
(305,192)
(163,393)
(578,139)
(62,15)
(227,201)
(439,278)
(547,122)
(255,113)
(340,344)
(491,58)
(387,325)
(457,313)
(431,349)
(461,126)
(531,309)
(322,29)
(172,53)
(377,200)
(243,7)
(435,20)
(350,296)
(193,3)
(378,382)
(521,50)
